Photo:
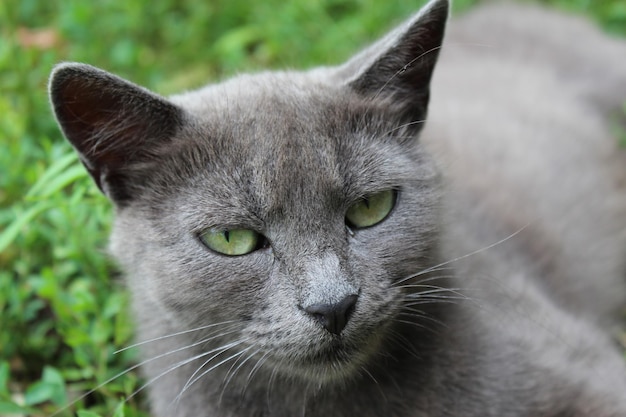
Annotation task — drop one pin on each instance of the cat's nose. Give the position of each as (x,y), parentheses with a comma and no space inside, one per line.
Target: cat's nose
(333,317)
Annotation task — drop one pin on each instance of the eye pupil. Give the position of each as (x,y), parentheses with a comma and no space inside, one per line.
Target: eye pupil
(227,235)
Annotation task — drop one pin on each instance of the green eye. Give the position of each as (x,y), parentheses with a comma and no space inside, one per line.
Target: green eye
(371,210)
(231,242)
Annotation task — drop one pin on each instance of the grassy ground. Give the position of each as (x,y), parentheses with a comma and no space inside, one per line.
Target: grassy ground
(62,307)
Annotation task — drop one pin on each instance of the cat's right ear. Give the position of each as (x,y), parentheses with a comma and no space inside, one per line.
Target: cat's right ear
(113,124)
(398,68)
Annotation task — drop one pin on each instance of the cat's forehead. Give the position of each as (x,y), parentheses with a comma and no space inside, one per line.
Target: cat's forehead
(267,123)
(283,140)
(273,103)
(290,124)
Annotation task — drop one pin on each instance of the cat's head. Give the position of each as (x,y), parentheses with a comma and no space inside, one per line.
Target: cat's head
(291,206)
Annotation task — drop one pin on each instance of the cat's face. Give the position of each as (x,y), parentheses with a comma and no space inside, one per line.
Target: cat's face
(291,207)
(288,176)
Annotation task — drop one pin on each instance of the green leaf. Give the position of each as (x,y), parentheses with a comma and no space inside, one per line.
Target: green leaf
(38,393)
(53,171)
(13,230)
(61,181)
(120,410)
(52,376)
(7,408)
(51,387)
(84,413)
(4,378)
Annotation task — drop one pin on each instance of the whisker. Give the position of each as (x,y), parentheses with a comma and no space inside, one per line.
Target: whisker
(440,295)
(427,278)
(137,365)
(421,326)
(476,252)
(230,375)
(190,382)
(454,301)
(434,289)
(256,367)
(178,365)
(156,339)
(382,393)
(219,351)
(437,292)
(404,343)
(408,311)
(269,388)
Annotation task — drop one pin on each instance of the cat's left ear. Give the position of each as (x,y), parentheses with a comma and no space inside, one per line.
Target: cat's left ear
(399,67)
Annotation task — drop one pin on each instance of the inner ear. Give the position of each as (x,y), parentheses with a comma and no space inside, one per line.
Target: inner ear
(399,67)
(113,124)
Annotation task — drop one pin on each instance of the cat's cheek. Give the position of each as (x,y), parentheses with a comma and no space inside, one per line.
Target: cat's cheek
(194,288)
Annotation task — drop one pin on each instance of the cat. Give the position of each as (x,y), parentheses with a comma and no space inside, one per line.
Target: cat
(304,243)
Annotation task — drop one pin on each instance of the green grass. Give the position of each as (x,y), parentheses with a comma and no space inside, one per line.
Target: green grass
(63,310)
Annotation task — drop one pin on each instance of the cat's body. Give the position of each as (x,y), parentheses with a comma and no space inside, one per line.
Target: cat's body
(486,291)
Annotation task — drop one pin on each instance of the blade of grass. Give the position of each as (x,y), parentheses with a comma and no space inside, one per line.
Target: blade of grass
(8,235)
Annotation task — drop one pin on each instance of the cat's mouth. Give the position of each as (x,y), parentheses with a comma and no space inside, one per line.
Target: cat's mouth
(329,364)
(337,353)
(337,358)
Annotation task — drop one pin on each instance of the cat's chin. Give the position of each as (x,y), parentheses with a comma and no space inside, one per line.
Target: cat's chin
(337,362)
(332,369)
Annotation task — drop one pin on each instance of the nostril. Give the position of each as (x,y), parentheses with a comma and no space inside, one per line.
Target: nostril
(350,310)
(348,305)
(321,318)
(334,317)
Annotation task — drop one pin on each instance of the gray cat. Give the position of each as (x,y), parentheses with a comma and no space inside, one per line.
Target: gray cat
(293,249)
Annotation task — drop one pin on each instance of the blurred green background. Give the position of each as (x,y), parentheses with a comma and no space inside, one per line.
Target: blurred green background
(62,306)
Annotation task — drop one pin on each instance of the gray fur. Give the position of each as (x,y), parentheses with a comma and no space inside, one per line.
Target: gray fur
(490,290)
